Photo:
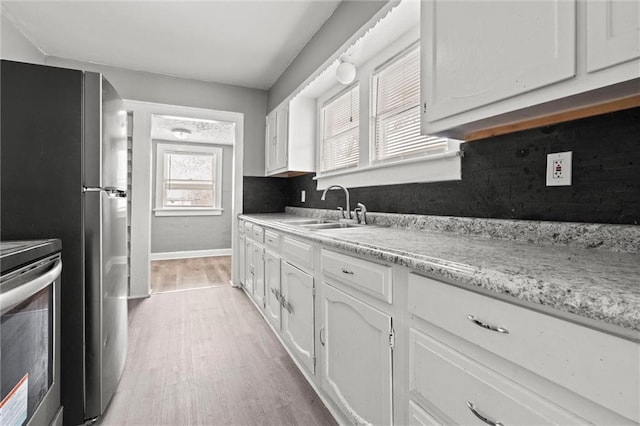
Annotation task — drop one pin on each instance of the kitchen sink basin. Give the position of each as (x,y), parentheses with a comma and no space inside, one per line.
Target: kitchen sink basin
(304,221)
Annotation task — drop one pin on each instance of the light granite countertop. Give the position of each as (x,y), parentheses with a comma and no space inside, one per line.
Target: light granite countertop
(595,286)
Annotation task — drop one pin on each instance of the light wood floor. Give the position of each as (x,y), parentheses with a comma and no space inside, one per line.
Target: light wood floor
(186,274)
(207,357)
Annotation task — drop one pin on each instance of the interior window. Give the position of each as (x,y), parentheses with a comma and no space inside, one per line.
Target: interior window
(340,130)
(395,94)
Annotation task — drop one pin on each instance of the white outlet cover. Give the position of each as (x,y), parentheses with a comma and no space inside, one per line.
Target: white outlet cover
(303,195)
(559,169)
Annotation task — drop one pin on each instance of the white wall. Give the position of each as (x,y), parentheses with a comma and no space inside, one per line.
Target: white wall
(148,87)
(346,20)
(15,46)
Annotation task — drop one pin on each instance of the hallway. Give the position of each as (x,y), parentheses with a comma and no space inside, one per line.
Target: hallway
(206,357)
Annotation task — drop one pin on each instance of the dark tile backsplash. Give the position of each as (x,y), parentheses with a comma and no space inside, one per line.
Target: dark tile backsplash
(264,194)
(504,177)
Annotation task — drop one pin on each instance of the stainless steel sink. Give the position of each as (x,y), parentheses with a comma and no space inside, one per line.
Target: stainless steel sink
(304,221)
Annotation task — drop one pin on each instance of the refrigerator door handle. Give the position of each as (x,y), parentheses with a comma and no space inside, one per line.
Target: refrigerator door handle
(110,190)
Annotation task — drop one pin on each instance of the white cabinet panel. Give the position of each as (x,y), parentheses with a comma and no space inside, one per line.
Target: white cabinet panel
(249,266)
(272,288)
(613,33)
(242,259)
(479,52)
(419,417)
(357,358)
(258,275)
(298,314)
(450,381)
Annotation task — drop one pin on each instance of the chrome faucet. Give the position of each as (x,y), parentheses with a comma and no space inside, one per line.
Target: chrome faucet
(346,193)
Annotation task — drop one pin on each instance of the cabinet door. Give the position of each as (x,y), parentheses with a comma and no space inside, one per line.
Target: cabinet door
(272,288)
(298,314)
(249,266)
(282,140)
(258,274)
(242,259)
(271,142)
(613,33)
(357,357)
(477,53)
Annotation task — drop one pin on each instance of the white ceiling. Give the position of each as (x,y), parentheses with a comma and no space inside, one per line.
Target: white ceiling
(241,42)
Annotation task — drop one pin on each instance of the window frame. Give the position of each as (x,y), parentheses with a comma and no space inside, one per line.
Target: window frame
(422,168)
(163,147)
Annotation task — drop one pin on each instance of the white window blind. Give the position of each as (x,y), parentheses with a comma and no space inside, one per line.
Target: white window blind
(340,131)
(395,92)
(189,179)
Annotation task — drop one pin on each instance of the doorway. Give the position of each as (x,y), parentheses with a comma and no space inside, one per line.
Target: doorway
(186,186)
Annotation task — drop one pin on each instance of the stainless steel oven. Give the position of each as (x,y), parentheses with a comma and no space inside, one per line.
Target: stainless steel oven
(30,333)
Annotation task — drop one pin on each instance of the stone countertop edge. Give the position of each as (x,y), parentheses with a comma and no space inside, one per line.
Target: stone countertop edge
(613,311)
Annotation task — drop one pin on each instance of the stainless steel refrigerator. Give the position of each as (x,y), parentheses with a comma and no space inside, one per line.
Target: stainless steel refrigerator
(63,160)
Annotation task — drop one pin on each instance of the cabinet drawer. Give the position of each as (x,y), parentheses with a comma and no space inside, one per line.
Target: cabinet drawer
(596,365)
(258,233)
(248,228)
(368,277)
(450,381)
(298,253)
(272,239)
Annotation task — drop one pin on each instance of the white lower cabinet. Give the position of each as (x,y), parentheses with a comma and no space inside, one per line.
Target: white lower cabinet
(466,392)
(357,357)
(298,314)
(272,296)
(249,266)
(459,357)
(242,258)
(254,271)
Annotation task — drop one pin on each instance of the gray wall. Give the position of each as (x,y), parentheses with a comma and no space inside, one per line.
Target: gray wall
(346,20)
(186,233)
(15,46)
(148,87)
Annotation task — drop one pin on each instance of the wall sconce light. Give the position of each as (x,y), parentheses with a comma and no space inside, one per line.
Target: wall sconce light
(181,134)
(346,72)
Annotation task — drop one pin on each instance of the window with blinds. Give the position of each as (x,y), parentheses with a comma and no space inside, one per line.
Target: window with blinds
(340,131)
(395,94)
(189,179)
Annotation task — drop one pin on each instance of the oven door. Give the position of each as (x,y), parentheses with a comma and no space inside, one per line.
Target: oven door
(29,338)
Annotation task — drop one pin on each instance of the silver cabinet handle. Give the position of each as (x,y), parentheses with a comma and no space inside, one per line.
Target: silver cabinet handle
(487,326)
(346,271)
(481,416)
(288,307)
(322,336)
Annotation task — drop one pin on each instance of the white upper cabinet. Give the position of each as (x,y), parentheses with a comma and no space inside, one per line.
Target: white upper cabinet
(480,52)
(290,136)
(613,33)
(488,65)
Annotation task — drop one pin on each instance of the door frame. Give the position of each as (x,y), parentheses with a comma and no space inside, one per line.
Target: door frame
(142,179)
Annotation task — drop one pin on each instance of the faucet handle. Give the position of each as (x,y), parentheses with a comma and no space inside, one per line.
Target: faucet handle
(360,208)
(341,210)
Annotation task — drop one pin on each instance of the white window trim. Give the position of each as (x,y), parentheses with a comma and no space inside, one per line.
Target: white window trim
(161,148)
(423,168)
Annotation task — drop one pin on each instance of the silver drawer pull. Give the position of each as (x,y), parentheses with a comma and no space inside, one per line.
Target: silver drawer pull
(481,416)
(346,271)
(322,336)
(487,326)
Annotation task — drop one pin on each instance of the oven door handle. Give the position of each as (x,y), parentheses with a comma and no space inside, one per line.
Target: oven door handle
(12,298)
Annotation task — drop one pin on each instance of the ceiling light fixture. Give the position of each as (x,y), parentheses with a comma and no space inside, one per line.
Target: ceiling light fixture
(346,72)
(181,134)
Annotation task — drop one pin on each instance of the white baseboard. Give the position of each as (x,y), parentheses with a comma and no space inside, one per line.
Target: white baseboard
(190,254)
